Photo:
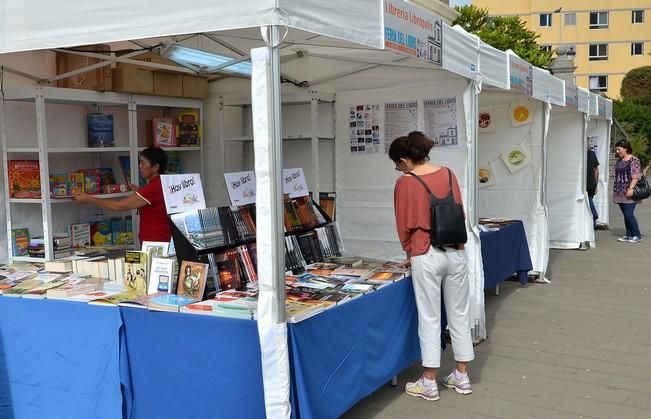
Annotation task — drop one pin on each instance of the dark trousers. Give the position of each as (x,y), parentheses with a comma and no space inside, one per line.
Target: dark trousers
(593,209)
(632,228)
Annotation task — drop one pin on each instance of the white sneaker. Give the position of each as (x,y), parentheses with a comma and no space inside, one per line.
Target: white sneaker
(635,239)
(419,389)
(624,239)
(460,383)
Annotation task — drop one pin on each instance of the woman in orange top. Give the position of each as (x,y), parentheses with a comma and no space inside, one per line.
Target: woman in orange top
(433,269)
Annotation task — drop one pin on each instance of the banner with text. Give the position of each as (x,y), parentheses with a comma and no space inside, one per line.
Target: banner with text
(241,187)
(521,75)
(182,192)
(294,183)
(413,31)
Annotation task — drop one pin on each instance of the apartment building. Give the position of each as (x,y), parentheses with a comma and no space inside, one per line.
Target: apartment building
(610,37)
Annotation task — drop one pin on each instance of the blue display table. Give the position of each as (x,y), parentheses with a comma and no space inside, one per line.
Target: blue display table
(59,360)
(504,253)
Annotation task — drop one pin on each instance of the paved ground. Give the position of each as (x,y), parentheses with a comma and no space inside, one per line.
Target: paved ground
(579,347)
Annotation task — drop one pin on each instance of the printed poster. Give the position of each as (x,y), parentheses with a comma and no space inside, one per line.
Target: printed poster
(516,158)
(521,75)
(441,121)
(241,187)
(182,192)
(413,31)
(400,118)
(364,124)
(521,113)
(486,175)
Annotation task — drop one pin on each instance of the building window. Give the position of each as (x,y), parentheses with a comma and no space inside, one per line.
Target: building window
(637,48)
(637,16)
(570,19)
(598,52)
(546,19)
(598,20)
(546,48)
(598,84)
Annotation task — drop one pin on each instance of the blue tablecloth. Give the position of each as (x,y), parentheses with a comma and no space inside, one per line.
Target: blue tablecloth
(190,366)
(59,360)
(349,351)
(504,253)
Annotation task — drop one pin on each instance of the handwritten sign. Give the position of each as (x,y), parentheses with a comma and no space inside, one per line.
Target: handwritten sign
(182,192)
(521,75)
(241,187)
(294,183)
(413,31)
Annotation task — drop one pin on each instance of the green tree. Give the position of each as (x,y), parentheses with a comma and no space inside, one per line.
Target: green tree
(636,86)
(504,32)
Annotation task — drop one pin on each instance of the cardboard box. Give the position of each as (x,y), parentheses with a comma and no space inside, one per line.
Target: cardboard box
(98,79)
(168,84)
(195,87)
(133,80)
(150,57)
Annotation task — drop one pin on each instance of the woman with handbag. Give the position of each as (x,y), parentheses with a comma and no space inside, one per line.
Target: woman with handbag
(435,269)
(627,172)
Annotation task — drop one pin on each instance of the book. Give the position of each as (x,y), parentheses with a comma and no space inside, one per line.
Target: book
(140,301)
(100,233)
(19,241)
(59,186)
(94,295)
(80,235)
(92,181)
(164,130)
(173,163)
(76,182)
(74,286)
(24,178)
(192,279)
(21,288)
(362,273)
(228,270)
(384,276)
(106,176)
(125,166)
(296,311)
(162,275)
(170,302)
(188,129)
(135,270)
(41,290)
(100,130)
(156,249)
(129,294)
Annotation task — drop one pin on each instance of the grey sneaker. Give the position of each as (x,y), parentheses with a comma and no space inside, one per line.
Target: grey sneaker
(460,383)
(635,239)
(419,389)
(623,239)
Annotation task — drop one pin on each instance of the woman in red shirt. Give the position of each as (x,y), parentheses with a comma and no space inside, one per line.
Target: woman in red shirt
(154,223)
(433,269)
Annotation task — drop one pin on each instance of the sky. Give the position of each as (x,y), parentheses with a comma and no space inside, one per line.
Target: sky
(459,2)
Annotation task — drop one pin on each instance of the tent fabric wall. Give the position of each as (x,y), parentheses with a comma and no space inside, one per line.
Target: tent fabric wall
(570,220)
(598,135)
(541,84)
(494,67)
(584,100)
(518,195)
(46,24)
(557,91)
(365,182)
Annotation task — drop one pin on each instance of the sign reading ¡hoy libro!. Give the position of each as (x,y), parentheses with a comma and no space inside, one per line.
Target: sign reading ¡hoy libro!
(294,183)
(413,31)
(241,187)
(182,192)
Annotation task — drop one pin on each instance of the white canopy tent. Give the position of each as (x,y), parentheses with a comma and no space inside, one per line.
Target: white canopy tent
(514,123)
(598,139)
(570,219)
(286,22)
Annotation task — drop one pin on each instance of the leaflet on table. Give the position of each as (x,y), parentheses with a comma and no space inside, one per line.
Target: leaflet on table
(241,187)
(182,192)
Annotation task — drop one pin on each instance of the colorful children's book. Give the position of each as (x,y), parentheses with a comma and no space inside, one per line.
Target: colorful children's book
(164,130)
(100,233)
(192,279)
(24,179)
(76,183)
(20,241)
(106,176)
(100,130)
(188,129)
(80,235)
(59,187)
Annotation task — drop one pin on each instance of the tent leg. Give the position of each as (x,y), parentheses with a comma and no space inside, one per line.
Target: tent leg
(394,381)
(497,289)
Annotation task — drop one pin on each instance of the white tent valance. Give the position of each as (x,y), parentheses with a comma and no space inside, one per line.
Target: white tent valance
(584,100)
(541,84)
(494,67)
(462,54)
(557,91)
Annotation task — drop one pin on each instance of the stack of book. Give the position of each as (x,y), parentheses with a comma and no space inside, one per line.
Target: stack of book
(202,228)
(62,246)
(300,213)
(238,222)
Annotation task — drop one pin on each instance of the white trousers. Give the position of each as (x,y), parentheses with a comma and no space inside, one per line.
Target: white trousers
(432,272)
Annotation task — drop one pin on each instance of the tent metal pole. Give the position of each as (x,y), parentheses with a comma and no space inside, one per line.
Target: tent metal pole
(276,151)
(175,68)
(314,125)
(20,73)
(351,72)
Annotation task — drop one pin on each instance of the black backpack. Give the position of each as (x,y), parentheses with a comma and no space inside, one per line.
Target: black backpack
(447,221)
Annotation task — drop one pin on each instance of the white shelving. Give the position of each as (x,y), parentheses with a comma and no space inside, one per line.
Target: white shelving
(63,142)
(27,259)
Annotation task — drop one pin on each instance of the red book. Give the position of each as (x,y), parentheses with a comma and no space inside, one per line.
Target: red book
(24,178)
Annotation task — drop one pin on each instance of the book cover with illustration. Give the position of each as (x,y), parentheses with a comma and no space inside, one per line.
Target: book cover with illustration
(188,131)
(59,186)
(92,181)
(135,270)
(24,179)
(100,130)
(100,233)
(164,130)
(161,275)
(20,241)
(76,183)
(79,235)
(170,302)
(106,176)
(192,279)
